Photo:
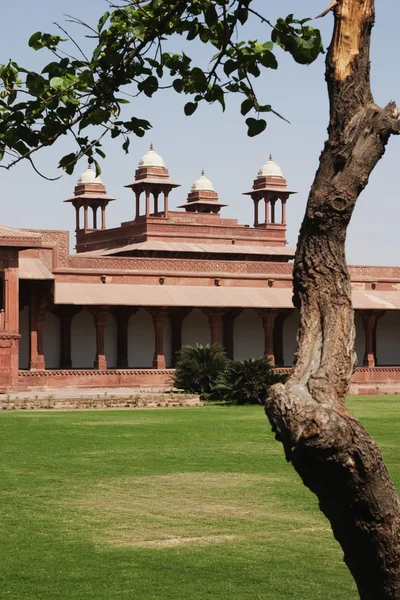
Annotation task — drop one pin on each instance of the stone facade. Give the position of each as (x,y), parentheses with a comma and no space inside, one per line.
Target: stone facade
(116,313)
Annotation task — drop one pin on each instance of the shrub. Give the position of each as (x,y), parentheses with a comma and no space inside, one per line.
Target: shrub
(199,368)
(248,381)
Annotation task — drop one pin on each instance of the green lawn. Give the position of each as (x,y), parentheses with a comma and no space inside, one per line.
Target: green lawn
(185,503)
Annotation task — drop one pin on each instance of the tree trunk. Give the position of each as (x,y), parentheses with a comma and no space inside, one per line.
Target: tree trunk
(334,455)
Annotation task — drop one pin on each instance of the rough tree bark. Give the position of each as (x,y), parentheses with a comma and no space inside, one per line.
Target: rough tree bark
(334,455)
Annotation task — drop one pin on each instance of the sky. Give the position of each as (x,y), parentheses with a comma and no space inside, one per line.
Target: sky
(217,141)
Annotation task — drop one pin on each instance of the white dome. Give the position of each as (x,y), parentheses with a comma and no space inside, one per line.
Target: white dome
(270,169)
(151,159)
(89,176)
(202,184)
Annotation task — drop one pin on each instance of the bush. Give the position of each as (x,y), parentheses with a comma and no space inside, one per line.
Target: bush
(199,368)
(247,381)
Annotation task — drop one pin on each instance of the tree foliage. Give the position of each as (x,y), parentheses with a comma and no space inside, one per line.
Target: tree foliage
(131,55)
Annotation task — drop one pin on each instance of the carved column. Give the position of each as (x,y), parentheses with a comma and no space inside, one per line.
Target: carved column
(9,313)
(370,319)
(176,317)
(11,294)
(228,321)
(256,201)
(103,217)
(266,202)
(268,317)
(86,218)
(122,316)
(284,211)
(214,316)
(100,321)
(38,305)
(65,315)
(158,315)
(147,203)
(137,194)
(165,204)
(77,222)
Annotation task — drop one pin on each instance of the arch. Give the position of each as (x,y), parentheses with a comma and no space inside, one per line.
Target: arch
(51,341)
(24,341)
(110,342)
(388,339)
(290,328)
(83,341)
(140,340)
(248,335)
(195,329)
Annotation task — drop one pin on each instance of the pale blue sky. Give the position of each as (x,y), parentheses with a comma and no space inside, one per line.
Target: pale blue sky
(217,141)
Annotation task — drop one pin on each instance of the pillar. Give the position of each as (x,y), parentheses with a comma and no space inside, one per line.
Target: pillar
(11,293)
(370,319)
(165,204)
(268,317)
(266,201)
(158,315)
(9,333)
(100,320)
(284,211)
(278,336)
(147,203)
(65,315)
(77,220)
(103,217)
(122,316)
(176,317)
(215,322)
(38,305)
(256,201)
(137,194)
(228,321)
(86,220)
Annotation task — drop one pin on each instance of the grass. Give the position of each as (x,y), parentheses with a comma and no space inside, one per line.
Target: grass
(168,505)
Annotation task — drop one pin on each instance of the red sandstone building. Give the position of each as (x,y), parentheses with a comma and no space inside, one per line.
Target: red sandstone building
(117,312)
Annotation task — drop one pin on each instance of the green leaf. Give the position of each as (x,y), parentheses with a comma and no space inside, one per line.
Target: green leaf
(98,168)
(246,107)
(190,108)
(178,85)
(102,21)
(34,41)
(59,83)
(255,126)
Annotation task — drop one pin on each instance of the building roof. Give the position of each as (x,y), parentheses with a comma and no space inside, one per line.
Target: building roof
(18,237)
(97,294)
(270,169)
(151,159)
(202,183)
(156,246)
(89,176)
(33,268)
(170,295)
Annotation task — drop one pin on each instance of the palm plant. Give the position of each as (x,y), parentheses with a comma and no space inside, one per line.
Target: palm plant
(199,368)
(248,381)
